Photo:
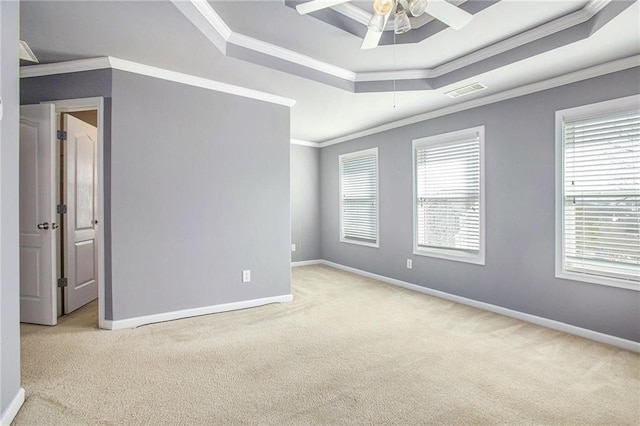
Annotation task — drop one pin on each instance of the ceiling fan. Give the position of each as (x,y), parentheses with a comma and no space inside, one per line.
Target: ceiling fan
(441,10)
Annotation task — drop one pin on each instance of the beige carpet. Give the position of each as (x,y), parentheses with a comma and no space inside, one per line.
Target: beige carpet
(348,350)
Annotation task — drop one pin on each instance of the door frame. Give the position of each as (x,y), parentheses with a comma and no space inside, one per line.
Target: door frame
(93,104)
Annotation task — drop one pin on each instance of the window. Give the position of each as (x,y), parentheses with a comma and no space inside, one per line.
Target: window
(598,193)
(449,196)
(359,197)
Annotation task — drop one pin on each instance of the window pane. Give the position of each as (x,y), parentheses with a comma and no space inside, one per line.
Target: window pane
(448,195)
(601,218)
(359,204)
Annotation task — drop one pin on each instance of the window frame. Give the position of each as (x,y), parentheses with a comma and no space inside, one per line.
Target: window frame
(347,156)
(579,113)
(453,254)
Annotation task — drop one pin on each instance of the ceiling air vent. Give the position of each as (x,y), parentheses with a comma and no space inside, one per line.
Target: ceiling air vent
(475,87)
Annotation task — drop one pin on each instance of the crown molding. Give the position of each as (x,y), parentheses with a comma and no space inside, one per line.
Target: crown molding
(305,143)
(212,17)
(290,56)
(353,12)
(595,71)
(552,27)
(393,75)
(192,80)
(149,71)
(80,65)
(209,24)
(218,27)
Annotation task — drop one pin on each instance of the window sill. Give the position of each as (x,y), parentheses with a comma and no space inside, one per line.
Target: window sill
(477,259)
(359,243)
(594,279)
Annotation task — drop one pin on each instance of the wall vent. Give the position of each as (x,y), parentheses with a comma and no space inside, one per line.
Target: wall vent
(461,91)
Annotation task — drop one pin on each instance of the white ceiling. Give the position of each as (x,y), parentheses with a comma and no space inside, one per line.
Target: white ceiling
(158,34)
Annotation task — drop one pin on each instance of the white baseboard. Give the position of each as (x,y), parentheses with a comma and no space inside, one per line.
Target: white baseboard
(306,263)
(13,408)
(187,313)
(545,322)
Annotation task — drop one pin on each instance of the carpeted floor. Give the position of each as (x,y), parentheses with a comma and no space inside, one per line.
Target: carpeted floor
(348,350)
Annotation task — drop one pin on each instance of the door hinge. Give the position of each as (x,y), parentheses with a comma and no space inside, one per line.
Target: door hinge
(62,209)
(62,282)
(62,135)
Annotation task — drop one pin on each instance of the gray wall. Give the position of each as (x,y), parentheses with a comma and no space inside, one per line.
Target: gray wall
(9,260)
(519,271)
(305,202)
(199,192)
(75,86)
(189,200)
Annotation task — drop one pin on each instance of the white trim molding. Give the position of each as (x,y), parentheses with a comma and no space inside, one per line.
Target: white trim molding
(291,56)
(12,410)
(93,104)
(342,159)
(306,263)
(192,80)
(150,71)
(526,37)
(218,25)
(353,12)
(533,319)
(587,73)
(79,65)
(212,17)
(610,107)
(218,32)
(305,143)
(451,253)
(194,312)
(211,26)
(394,75)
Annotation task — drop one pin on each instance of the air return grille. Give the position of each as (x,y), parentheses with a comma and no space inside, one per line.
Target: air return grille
(472,88)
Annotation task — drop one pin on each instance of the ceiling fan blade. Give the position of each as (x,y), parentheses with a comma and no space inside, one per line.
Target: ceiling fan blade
(314,5)
(372,38)
(451,15)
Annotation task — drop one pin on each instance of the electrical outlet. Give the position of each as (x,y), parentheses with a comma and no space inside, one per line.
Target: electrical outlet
(246,276)
(409,264)
(293,247)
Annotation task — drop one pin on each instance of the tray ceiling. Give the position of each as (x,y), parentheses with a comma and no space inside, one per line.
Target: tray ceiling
(267,46)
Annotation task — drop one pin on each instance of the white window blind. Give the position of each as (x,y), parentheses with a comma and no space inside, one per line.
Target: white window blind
(601,202)
(359,197)
(448,195)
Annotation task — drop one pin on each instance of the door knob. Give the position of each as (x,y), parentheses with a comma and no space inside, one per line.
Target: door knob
(55,226)
(43,225)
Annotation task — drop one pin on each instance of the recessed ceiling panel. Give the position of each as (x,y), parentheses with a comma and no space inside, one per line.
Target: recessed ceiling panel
(273,22)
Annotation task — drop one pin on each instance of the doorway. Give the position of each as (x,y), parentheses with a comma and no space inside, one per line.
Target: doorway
(64,269)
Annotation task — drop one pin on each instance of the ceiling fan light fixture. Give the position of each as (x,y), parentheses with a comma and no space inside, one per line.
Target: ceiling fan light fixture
(382,7)
(417,7)
(376,23)
(401,24)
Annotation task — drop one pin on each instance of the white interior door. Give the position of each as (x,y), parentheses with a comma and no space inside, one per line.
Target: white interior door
(81,251)
(37,215)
